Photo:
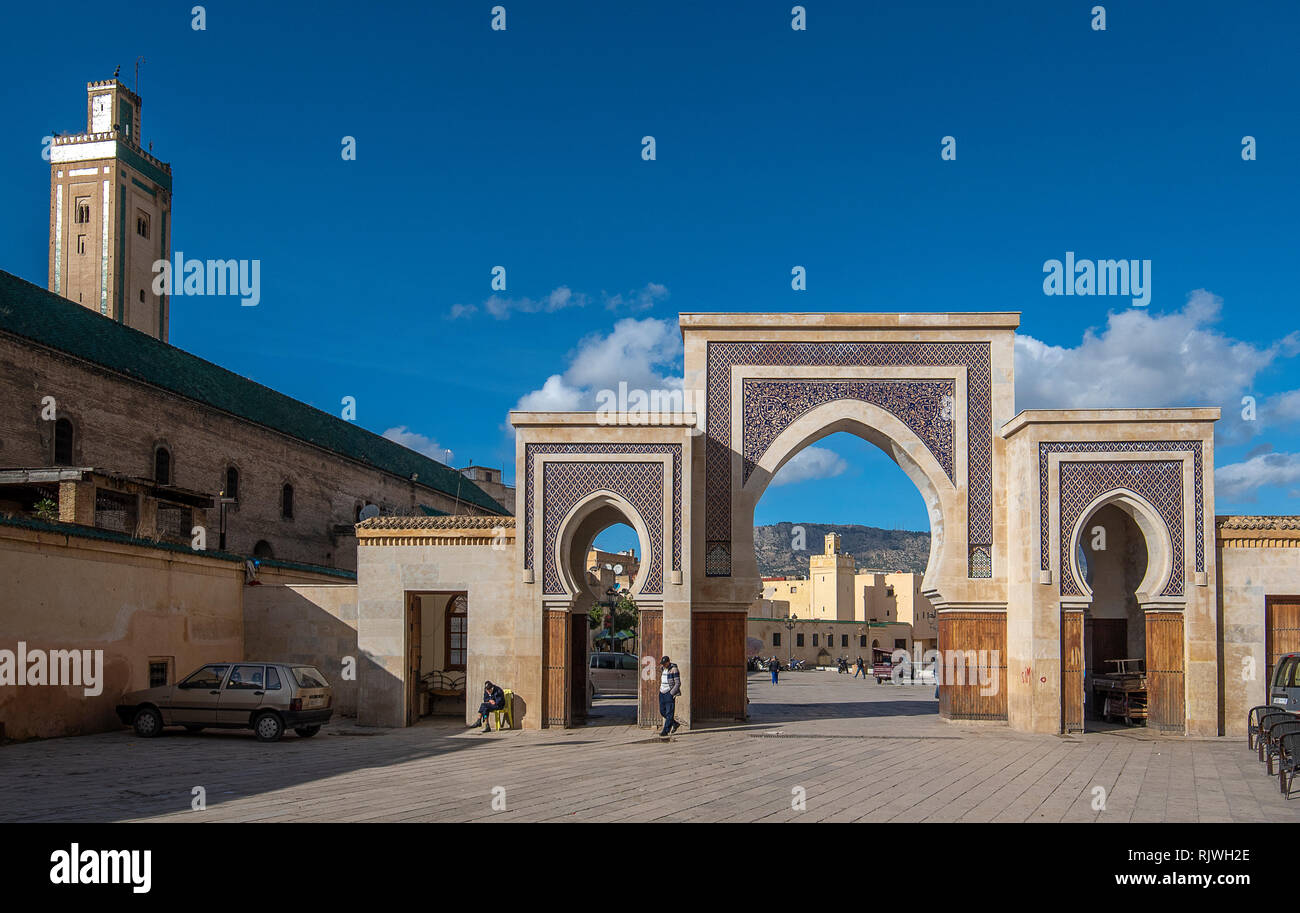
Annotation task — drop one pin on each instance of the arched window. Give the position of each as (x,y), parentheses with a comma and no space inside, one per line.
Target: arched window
(263,549)
(63,442)
(286,501)
(232,483)
(162,466)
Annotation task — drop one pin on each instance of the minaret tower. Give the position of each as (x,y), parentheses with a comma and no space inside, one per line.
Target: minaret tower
(110,213)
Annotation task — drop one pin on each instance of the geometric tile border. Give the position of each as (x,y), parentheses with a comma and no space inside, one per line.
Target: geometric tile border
(722,356)
(1159,481)
(1047,448)
(565,484)
(771,406)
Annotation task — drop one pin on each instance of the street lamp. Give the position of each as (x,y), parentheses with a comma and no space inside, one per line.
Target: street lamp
(789,627)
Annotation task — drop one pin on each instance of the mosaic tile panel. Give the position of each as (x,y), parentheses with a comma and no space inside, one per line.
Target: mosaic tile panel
(565,484)
(674,450)
(722,356)
(1047,448)
(771,406)
(1159,481)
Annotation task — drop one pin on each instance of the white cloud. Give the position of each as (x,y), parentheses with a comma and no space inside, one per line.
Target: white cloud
(1242,481)
(562,298)
(419,443)
(645,354)
(810,463)
(1146,360)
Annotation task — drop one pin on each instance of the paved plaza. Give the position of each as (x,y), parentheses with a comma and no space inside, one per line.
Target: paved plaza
(853,751)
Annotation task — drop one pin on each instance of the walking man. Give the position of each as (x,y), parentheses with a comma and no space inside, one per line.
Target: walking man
(859,669)
(670,685)
(774,667)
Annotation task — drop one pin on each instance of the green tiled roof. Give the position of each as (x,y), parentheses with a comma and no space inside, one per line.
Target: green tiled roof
(39,315)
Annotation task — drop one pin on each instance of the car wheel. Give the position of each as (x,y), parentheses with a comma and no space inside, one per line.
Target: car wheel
(193,728)
(147,723)
(268,727)
(306,732)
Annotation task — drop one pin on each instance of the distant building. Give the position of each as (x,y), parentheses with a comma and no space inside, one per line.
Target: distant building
(841,611)
(490,481)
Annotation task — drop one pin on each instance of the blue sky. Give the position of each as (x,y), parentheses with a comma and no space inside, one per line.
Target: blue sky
(775,148)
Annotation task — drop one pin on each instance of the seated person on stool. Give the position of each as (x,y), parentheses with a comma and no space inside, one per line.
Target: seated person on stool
(493,699)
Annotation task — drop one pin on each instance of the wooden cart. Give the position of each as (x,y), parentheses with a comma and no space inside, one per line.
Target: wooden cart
(1123,693)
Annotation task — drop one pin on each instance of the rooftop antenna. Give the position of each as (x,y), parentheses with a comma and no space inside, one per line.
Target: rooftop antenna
(139,60)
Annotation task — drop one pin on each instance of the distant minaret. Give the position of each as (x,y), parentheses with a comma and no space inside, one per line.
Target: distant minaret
(110,213)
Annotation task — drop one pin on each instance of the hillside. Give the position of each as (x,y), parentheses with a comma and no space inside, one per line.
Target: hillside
(874,549)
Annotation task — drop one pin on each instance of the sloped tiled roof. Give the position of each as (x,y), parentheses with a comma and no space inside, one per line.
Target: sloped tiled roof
(448,522)
(40,316)
(1249,522)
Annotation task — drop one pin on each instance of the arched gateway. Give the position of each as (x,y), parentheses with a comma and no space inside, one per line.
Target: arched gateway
(1009,496)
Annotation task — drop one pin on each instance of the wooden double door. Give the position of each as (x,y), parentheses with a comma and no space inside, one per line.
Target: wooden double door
(1087,646)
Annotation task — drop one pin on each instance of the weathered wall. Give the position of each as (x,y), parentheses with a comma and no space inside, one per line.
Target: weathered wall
(309,623)
(118,424)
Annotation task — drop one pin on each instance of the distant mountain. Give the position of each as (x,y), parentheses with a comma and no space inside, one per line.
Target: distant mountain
(892,550)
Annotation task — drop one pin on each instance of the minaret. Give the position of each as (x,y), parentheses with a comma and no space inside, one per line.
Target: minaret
(110,213)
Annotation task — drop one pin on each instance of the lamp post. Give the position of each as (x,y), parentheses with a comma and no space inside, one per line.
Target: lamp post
(789,636)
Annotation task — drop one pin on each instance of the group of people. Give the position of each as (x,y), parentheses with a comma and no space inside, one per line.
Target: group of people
(670,687)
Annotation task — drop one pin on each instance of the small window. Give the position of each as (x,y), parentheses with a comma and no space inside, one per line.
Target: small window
(81,244)
(776,638)
(844,640)
(794,589)
(246,678)
(286,502)
(142,223)
(159,672)
(604,661)
(263,549)
(63,442)
(457,635)
(232,483)
(162,466)
(142,296)
(862,640)
(814,640)
(272,679)
(798,640)
(900,643)
(83,210)
(309,677)
(627,662)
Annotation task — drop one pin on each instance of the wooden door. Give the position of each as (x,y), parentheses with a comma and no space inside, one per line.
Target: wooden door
(413,635)
(982,639)
(717,666)
(556,651)
(578,666)
(1072,671)
(1165,708)
(651,636)
(1281,635)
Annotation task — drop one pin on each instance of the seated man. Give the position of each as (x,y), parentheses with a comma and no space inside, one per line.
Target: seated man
(493,699)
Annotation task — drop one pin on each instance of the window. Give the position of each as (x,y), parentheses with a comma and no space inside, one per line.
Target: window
(263,549)
(162,466)
(794,589)
(798,640)
(900,643)
(776,638)
(272,679)
(627,662)
(142,223)
(82,211)
(862,640)
(232,483)
(81,244)
(309,677)
(246,678)
(457,635)
(159,671)
(602,661)
(844,640)
(814,640)
(207,677)
(142,296)
(63,442)
(286,502)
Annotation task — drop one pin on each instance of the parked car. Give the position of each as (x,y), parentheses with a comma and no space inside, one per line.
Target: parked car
(262,696)
(613,673)
(1284,690)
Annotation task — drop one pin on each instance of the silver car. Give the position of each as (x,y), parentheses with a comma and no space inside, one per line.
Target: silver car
(262,696)
(612,673)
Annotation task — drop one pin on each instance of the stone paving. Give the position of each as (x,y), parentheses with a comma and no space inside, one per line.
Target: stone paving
(853,751)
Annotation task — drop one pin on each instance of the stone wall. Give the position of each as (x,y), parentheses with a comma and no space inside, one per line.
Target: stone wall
(118,423)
